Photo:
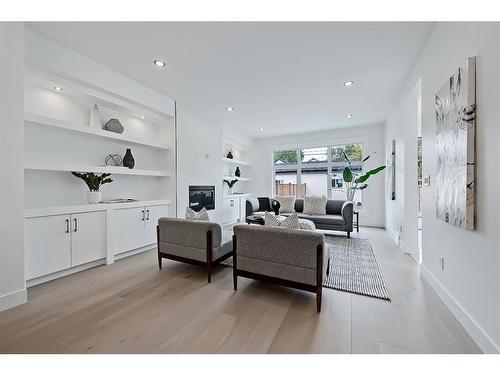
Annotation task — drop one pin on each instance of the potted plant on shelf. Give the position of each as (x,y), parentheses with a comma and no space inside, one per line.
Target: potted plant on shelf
(354,181)
(94,183)
(230,184)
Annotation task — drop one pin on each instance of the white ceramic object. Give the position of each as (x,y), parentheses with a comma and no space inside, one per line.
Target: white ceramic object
(95,117)
(94,196)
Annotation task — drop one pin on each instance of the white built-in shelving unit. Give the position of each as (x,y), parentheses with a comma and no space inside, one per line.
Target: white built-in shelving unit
(234,204)
(64,233)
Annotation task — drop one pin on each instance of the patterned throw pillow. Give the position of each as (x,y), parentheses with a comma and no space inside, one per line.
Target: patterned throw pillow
(287,203)
(193,215)
(290,222)
(315,205)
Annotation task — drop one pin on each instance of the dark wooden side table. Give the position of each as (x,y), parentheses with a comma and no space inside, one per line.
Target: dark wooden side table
(356,223)
(255,219)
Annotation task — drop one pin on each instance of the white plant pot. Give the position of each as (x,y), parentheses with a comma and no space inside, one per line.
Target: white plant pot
(94,196)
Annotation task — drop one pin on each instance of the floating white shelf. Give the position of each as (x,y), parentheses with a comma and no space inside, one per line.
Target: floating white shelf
(236,178)
(234,161)
(100,133)
(97,169)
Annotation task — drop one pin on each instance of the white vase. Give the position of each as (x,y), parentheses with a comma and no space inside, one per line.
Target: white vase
(94,196)
(95,118)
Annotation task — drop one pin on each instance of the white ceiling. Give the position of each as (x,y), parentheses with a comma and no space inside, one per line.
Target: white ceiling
(285,77)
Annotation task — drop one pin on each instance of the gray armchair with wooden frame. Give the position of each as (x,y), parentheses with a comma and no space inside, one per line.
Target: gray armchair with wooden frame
(288,257)
(195,242)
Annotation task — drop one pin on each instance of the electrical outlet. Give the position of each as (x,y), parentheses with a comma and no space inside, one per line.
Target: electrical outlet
(441,261)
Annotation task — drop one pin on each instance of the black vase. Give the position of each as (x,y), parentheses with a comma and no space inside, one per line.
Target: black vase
(237,173)
(229,155)
(128,159)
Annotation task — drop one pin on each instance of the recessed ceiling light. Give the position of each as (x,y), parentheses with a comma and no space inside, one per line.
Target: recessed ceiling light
(348,83)
(230,109)
(348,116)
(261,129)
(57,88)
(160,63)
(142,117)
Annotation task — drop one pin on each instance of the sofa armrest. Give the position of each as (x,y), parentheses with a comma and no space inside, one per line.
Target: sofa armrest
(347,214)
(251,206)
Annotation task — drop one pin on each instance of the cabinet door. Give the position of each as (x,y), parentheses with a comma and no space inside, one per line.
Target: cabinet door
(48,247)
(128,229)
(231,209)
(153,214)
(88,237)
(243,208)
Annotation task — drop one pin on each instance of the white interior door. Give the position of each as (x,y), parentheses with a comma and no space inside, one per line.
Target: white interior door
(128,229)
(88,237)
(153,214)
(47,245)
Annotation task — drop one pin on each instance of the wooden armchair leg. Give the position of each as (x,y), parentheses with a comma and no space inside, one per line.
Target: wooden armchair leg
(318,300)
(235,276)
(158,246)
(348,234)
(209,256)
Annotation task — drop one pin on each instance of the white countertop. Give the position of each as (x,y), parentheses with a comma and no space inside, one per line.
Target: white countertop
(232,196)
(61,210)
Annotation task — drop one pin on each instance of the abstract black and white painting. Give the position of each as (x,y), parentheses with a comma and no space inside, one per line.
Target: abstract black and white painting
(455,107)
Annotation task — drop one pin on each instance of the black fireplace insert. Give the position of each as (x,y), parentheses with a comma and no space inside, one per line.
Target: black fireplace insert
(202,196)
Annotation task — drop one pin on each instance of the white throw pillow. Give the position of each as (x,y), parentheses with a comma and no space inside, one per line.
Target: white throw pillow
(290,222)
(193,215)
(315,205)
(287,203)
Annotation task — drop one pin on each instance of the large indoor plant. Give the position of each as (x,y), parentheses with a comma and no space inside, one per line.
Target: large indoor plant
(94,183)
(354,181)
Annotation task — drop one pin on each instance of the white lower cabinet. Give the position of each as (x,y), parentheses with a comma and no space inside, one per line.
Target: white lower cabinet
(88,237)
(55,243)
(136,227)
(231,209)
(48,245)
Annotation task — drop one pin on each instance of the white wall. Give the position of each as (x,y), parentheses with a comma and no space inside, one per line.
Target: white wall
(470,283)
(372,138)
(199,158)
(12,283)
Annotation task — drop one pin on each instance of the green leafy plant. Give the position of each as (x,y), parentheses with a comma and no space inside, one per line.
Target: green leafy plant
(354,181)
(93,181)
(230,183)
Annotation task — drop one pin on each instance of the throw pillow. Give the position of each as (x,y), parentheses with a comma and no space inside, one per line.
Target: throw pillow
(193,215)
(287,203)
(290,222)
(315,205)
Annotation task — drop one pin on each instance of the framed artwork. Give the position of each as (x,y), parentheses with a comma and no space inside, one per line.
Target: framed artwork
(455,110)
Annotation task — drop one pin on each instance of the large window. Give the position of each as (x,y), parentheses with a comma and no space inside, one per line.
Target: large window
(316,171)
(285,172)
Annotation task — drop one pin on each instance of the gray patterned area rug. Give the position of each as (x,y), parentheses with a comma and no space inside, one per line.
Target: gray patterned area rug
(353,267)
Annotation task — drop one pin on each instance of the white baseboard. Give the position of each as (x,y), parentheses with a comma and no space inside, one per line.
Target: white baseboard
(394,235)
(134,252)
(63,273)
(10,300)
(473,328)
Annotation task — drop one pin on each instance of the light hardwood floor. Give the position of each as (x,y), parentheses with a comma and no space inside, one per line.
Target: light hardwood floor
(132,307)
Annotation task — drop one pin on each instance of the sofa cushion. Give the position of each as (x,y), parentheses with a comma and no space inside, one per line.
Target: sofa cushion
(324,219)
(315,205)
(287,203)
(193,215)
(290,222)
(334,207)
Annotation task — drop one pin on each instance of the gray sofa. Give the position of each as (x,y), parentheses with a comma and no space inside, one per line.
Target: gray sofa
(201,243)
(288,257)
(339,214)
